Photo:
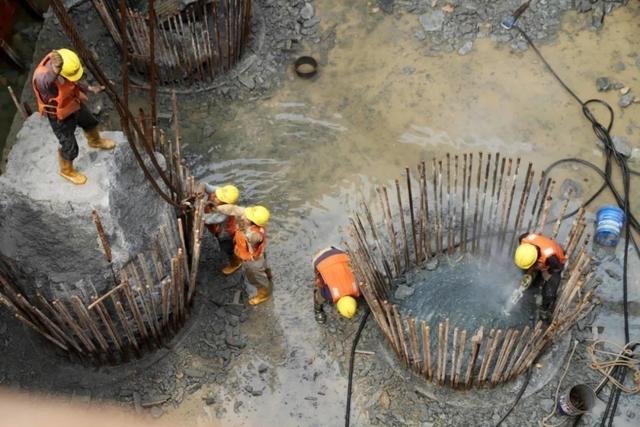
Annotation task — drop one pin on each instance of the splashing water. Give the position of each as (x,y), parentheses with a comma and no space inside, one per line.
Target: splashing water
(471,293)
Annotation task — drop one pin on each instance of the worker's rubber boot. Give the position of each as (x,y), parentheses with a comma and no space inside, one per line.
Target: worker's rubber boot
(68,172)
(234,265)
(96,141)
(264,293)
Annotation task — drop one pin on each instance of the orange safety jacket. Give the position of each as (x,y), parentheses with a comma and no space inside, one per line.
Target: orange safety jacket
(243,249)
(66,102)
(546,248)
(229,225)
(337,275)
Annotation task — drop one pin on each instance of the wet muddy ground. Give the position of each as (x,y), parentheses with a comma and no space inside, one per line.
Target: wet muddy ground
(309,150)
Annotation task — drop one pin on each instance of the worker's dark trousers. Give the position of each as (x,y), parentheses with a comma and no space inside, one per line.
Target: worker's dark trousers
(65,130)
(226,246)
(319,300)
(549,294)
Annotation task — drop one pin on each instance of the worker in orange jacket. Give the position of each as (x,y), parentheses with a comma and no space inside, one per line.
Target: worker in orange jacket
(543,259)
(222,226)
(335,283)
(250,241)
(60,97)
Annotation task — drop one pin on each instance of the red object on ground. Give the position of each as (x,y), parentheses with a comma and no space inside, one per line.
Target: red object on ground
(7,16)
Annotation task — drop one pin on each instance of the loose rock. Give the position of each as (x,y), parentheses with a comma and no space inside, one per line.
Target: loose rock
(432,20)
(626,100)
(466,48)
(403,292)
(307,11)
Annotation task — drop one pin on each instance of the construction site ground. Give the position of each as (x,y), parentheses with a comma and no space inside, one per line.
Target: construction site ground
(388,94)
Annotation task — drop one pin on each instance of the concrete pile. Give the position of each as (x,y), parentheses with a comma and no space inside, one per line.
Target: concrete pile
(49,242)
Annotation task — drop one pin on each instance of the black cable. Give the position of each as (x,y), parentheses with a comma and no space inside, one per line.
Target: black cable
(347,415)
(519,396)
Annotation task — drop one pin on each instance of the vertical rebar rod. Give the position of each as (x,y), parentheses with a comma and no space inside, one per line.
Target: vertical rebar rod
(463,243)
(152,62)
(403,226)
(125,60)
(441,229)
(420,220)
(484,199)
(497,220)
(436,205)
(413,220)
(454,355)
(426,351)
(384,206)
(461,348)
(426,221)
(563,210)
(524,198)
(440,351)
(474,245)
(455,195)
(493,221)
(507,215)
(547,190)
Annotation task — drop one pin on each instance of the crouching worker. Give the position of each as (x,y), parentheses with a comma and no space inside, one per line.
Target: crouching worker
(222,226)
(543,259)
(250,241)
(334,284)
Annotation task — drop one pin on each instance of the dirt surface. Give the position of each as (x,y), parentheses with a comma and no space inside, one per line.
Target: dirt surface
(385,98)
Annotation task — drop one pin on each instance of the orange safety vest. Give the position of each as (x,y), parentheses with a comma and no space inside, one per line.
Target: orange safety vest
(229,225)
(547,248)
(338,276)
(243,249)
(66,102)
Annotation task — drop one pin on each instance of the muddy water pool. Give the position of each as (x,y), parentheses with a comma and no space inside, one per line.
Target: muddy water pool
(380,102)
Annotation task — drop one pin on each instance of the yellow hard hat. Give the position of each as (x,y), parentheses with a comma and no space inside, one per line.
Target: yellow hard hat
(71,67)
(347,306)
(228,194)
(526,255)
(259,215)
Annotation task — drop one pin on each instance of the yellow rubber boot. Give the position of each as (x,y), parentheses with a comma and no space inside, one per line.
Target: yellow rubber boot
(96,141)
(234,265)
(264,294)
(68,172)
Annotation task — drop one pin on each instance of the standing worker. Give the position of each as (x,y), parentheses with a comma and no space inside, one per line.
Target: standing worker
(222,226)
(335,283)
(250,241)
(60,96)
(540,254)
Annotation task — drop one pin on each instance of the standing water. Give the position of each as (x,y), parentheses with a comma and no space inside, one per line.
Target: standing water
(471,293)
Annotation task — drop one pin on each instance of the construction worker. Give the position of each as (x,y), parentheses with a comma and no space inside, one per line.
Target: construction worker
(543,259)
(250,240)
(60,97)
(334,284)
(222,226)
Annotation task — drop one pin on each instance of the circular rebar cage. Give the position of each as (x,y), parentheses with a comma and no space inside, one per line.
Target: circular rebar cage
(458,206)
(191,41)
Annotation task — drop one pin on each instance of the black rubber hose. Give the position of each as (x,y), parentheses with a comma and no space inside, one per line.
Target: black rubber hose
(518,397)
(347,415)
